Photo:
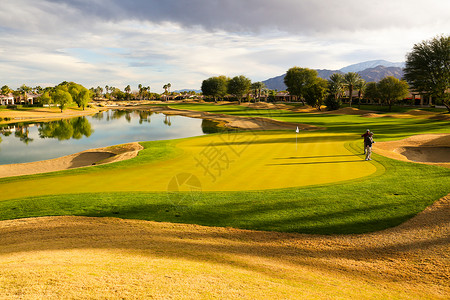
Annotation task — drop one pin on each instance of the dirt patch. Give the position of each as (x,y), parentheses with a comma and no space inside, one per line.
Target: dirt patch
(77,160)
(238,122)
(417,112)
(425,148)
(44,114)
(348,111)
(372,115)
(69,256)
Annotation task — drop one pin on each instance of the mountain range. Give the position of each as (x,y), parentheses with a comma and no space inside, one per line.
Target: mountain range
(373,70)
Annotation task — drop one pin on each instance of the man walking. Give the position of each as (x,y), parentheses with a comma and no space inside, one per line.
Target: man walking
(367,134)
(368,141)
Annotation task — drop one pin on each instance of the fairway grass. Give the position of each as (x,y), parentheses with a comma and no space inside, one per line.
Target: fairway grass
(221,162)
(393,193)
(253,180)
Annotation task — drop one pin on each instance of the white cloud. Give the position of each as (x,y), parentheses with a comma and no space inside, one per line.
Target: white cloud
(99,42)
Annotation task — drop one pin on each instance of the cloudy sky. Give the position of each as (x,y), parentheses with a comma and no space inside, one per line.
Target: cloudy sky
(153,42)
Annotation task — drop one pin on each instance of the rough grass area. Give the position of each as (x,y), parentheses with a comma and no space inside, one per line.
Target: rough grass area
(97,258)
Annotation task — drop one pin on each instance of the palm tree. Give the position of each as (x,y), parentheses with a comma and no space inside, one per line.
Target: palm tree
(140,91)
(361,86)
(351,79)
(257,87)
(336,85)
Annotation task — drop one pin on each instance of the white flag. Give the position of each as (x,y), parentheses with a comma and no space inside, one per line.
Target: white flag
(297,130)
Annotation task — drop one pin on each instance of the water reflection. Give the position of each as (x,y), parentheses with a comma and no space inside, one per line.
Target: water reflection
(211,126)
(23,133)
(25,142)
(66,129)
(75,128)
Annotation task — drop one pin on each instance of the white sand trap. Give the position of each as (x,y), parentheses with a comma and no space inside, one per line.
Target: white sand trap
(424,148)
(426,154)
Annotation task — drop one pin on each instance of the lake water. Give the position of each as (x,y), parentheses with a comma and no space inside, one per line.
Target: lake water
(22,142)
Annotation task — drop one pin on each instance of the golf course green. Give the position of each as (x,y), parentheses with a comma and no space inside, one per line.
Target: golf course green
(312,182)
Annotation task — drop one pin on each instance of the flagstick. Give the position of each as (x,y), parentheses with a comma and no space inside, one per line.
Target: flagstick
(296,133)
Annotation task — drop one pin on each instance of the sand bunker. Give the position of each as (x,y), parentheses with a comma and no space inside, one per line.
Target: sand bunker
(238,122)
(77,160)
(68,257)
(425,148)
(372,115)
(44,114)
(348,111)
(426,154)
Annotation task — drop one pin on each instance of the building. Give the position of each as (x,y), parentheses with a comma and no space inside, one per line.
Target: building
(7,99)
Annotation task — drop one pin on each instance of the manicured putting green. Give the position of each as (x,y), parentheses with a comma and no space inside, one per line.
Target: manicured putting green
(219,162)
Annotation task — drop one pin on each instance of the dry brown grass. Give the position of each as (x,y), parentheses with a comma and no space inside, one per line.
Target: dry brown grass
(76,257)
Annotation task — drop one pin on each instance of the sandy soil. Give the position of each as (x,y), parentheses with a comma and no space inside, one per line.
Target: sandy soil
(73,256)
(45,114)
(425,148)
(82,159)
(229,121)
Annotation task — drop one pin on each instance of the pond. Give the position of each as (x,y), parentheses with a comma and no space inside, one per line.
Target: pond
(28,142)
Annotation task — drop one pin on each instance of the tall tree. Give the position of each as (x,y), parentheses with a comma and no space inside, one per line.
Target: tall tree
(141,90)
(62,97)
(239,86)
(315,94)
(351,79)
(79,94)
(428,68)
(45,98)
(165,87)
(336,85)
(258,87)
(215,87)
(391,90)
(360,86)
(298,81)
(5,90)
(371,92)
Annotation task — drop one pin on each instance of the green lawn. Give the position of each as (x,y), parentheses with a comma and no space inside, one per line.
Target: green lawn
(395,193)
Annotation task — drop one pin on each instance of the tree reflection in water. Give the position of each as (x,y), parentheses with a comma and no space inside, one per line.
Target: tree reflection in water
(79,127)
(74,128)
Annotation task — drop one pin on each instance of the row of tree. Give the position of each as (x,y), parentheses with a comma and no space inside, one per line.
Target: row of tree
(305,84)
(427,72)
(65,94)
(239,86)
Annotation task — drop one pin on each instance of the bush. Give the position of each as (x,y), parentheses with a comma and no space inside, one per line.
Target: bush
(332,104)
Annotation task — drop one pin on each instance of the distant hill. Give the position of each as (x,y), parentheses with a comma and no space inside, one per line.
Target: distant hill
(187,90)
(372,72)
(379,72)
(371,64)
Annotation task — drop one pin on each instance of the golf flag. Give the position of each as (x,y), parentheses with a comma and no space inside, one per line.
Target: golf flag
(297,130)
